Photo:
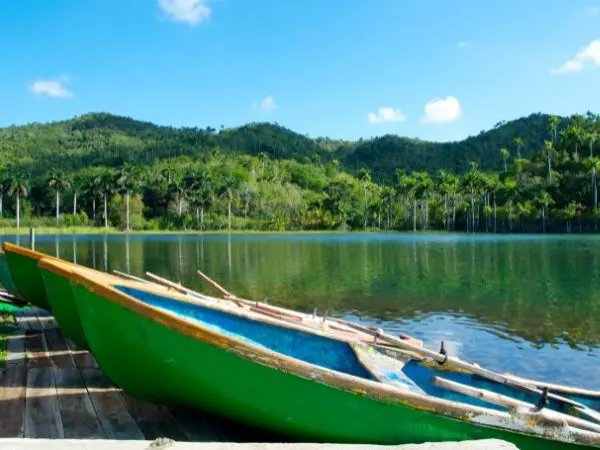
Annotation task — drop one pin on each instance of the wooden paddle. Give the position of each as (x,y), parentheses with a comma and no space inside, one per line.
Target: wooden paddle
(473,368)
(511,403)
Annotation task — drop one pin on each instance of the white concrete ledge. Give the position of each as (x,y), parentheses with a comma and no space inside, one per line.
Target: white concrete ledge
(160,444)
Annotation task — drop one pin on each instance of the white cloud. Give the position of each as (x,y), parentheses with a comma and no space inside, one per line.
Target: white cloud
(443,110)
(51,88)
(191,11)
(386,115)
(464,44)
(266,104)
(588,56)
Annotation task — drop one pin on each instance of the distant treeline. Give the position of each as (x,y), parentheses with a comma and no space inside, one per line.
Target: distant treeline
(104,170)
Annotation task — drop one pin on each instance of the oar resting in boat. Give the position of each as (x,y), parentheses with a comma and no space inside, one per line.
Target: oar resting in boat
(312,321)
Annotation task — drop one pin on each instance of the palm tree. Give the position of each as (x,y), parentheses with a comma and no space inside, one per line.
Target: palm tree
(228,186)
(518,142)
(92,186)
(364,175)
(197,187)
(473,183)
(549,147)
(591,138)
(553,123)
(126,181)
(505,155)
(593,165)
(3,186)
(177,188)
(58,181)
(17,187)
(447,186)
(544,200)
(77,184)
(407,186)
(107,186)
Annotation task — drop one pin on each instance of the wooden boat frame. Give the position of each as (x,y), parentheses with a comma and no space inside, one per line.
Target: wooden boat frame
(542,424)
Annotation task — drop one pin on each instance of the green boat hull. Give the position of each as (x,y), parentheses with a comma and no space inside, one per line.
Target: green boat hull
(62,304)
(27,279)
(157,363)
(5,276)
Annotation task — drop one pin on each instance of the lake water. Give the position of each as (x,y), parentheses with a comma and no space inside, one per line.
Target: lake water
(522,303)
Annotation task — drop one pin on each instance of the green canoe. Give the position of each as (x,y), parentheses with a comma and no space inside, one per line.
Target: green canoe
(166,349)
(5,276)
(44,289)
(27,278)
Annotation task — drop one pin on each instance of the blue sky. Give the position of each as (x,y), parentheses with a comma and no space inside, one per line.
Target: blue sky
(433,69)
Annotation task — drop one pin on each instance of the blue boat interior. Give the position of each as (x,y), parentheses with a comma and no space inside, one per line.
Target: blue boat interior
(336,355)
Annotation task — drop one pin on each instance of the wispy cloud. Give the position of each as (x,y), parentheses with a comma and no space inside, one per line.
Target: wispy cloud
(266,104)
(443,110)
(190,11)
(588,56)
(385,114)
(464,44)
(51,88)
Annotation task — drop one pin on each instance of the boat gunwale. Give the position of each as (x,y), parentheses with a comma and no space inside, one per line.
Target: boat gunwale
(543,427)
(66,268)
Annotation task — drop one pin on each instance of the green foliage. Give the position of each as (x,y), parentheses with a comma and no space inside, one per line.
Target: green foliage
(117,212)
(533,174)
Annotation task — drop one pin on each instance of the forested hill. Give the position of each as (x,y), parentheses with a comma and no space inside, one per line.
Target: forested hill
(383,155)
(105,139)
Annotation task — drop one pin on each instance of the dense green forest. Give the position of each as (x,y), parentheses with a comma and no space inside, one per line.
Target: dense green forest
(534,174)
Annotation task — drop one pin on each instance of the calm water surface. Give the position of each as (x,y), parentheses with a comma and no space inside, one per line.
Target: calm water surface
(525,304)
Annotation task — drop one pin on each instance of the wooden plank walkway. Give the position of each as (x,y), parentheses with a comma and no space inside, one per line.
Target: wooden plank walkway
(51,389)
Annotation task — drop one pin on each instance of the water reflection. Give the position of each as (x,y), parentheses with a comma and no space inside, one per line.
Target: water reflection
(534,298)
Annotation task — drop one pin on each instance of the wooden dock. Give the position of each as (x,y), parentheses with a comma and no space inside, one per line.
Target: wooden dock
(51,389)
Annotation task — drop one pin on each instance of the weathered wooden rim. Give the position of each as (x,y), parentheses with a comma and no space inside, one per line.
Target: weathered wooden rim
(480,416)
(23,251)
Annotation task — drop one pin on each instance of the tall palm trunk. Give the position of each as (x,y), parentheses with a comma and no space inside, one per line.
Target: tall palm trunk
(127,210)
(365,201)
(229,214)
(105,211)
(75,203)
(202,218)
(472,211)
(94,208)
(495,222)
(1,205)
(57,205)
(179,205)
(543,219)
(414,214)
(595,191)
(18,210)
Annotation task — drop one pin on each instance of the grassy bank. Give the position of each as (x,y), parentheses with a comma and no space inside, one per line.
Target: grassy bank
(7,324)
(100,230)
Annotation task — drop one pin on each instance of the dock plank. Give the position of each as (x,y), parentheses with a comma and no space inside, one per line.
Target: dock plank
(110,407)
(15,352)
(154,421)
(37,353)
(58,349)
(22,320)
(82,358)
(77,412)
(31,317)
(12,400)
(42,414)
